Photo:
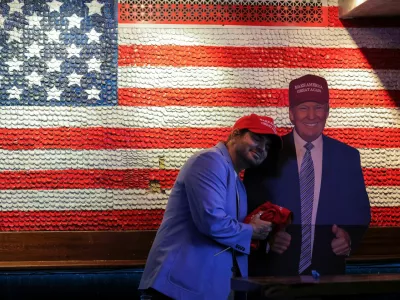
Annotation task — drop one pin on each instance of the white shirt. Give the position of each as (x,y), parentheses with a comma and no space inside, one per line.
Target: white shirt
(316,155)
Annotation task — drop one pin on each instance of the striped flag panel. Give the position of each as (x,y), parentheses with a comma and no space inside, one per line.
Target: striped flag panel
(103,102)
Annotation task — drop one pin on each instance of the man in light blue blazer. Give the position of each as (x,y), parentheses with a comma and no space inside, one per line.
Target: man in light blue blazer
(320,180)
(202,241)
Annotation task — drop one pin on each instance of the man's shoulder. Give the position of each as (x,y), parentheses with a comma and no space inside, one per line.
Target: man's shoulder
(331,142)
(212,152)
(214,155)
(339,146)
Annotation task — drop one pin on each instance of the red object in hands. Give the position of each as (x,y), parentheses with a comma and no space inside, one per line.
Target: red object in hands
(279,216)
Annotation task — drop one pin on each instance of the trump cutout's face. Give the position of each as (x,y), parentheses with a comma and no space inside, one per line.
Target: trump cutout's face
(309,119)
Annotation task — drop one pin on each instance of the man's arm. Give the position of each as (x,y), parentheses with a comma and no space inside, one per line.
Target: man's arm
(360,205)
(206,188)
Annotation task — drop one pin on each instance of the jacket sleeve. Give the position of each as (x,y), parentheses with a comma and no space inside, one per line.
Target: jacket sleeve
(206,188)
(361,206)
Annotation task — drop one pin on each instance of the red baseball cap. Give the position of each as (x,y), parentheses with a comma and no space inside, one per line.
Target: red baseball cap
(260,125)
(308,88)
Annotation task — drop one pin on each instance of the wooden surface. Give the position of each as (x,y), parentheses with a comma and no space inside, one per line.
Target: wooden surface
(302,286)
(119,249)
(74,249)
(379,243)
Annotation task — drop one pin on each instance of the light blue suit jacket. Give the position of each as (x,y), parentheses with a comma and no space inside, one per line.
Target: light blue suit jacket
(199,222)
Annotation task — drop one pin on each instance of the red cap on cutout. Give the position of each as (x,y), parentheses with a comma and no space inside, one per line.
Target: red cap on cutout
(308,88)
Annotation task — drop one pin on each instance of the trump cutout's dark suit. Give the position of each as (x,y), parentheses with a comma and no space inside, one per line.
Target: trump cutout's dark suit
(343,201)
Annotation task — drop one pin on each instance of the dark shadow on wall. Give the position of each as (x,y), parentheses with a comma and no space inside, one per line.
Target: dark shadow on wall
(378,39)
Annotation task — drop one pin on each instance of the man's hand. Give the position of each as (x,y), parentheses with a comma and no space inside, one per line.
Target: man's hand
(341,243)
(280,242)
(261,228)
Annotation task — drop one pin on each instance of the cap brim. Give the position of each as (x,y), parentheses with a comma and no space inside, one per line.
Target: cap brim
(309,99)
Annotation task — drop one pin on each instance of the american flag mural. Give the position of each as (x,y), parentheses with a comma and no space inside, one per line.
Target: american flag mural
(103,102)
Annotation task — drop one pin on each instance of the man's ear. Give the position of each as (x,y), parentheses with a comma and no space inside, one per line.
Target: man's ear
(327,110)
(235,133)
(232,136)
(291,115)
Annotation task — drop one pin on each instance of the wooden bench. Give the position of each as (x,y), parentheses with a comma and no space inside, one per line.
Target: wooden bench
(83,249)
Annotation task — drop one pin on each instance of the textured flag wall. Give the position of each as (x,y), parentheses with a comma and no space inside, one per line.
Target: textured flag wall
(96,122)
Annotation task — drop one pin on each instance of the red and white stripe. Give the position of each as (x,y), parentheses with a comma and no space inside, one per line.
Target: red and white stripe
(122,159)
(182,116)
(341,39)
(124,199)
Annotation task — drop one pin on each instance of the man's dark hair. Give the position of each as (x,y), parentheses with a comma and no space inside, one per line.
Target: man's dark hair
(239,132)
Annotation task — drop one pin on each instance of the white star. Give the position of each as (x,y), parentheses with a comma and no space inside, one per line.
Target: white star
(93,36)
(14,64)
(55,6)
(74,21)
(73,51)
(53,35)
(74,79)
(15,92)
(15,35)
(34,78)
(15,7)
(54,65)
(94,65)
(34,20)
(93,93)
(94,7)
(34,50)
(54,93)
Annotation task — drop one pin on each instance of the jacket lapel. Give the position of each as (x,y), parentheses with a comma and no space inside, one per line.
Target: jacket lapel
(324,202)
(288,162)
(235,182)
